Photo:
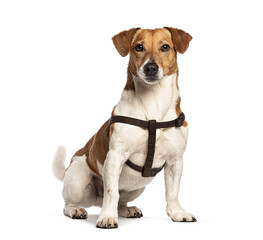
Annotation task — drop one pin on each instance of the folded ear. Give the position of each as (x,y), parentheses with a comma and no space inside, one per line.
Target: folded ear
(122,41)
(180,38)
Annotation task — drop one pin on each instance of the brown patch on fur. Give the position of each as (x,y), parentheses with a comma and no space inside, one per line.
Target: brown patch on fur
(112,125)
(100,144)
(177,106)
(130,84)
(178,109)
(96,148)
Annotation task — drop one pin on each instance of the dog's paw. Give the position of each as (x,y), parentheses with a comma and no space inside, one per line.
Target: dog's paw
(75,212)
(107,222)
(182,217)
(130,212)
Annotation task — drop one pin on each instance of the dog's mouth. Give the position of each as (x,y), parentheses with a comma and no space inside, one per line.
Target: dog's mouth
(151,80)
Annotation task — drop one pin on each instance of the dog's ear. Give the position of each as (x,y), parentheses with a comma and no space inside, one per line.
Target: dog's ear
(180,38)
(122,41)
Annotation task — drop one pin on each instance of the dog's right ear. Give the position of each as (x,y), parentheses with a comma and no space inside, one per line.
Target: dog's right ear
(122,41)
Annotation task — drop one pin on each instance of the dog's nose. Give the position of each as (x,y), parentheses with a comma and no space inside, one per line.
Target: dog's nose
(150,69)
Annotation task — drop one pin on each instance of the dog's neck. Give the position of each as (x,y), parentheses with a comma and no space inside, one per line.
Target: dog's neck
(156,101)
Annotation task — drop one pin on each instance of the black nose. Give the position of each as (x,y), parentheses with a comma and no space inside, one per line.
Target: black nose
(150,69)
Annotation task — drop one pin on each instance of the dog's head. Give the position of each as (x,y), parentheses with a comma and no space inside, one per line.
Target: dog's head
(152,52)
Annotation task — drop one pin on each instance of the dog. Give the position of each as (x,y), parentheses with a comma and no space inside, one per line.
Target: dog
(98,174)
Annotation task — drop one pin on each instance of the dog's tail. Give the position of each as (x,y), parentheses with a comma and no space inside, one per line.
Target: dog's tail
(59,163)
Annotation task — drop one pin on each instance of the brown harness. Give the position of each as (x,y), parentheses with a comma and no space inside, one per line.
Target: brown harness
(152,125)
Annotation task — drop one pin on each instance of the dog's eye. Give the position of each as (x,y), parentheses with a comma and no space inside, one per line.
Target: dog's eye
(139,48)
(165,48)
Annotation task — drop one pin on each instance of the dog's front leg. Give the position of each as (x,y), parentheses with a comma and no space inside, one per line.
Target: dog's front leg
(111,172)
(173,172)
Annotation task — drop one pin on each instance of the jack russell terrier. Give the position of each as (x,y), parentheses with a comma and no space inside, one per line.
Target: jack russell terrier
(145,133)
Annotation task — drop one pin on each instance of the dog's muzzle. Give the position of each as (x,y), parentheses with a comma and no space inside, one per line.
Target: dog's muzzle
(150,71)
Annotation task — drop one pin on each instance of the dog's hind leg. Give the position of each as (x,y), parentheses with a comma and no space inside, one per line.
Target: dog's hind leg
(77,178)
(124,210)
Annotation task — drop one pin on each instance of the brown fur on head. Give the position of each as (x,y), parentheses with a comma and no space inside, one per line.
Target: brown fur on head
(157,46)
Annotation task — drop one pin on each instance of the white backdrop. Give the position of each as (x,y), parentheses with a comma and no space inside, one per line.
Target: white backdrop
(60,77)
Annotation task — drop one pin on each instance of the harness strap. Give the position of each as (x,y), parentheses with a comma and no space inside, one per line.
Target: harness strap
(138,168)
(178,122)
(152,125)
(129,120)
(151,149)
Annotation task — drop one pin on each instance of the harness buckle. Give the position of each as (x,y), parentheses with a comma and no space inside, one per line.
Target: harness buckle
(180,120)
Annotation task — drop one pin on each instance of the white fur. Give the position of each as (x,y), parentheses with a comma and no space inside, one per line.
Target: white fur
(59,163)
(173,172)
(78,188)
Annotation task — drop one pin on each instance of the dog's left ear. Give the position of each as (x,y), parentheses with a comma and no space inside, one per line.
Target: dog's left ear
(122,41)
(180,38)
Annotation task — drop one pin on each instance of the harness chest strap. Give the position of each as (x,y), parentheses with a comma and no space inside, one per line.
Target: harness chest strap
(152,125)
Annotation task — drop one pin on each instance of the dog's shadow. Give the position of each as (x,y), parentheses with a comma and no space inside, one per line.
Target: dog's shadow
(92,219)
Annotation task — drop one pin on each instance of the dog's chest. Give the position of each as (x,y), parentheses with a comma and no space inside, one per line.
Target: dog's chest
(170,144)
(157,103)
(166,146)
